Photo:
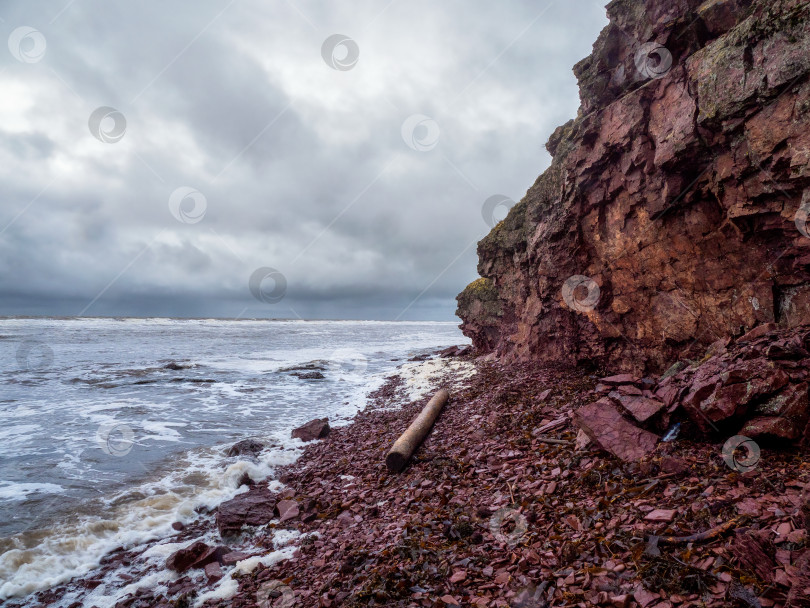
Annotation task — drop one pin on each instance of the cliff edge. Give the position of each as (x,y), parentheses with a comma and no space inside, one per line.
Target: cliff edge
(674,212)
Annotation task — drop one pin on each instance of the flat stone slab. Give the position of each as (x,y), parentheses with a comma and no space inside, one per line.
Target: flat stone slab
(640,407)
(612,432)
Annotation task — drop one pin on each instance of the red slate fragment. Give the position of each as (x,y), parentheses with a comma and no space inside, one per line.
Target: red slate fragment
(287,509)
(620,379)
(229,559)
(641,408)
(666,515)
(213,571)
(608,429)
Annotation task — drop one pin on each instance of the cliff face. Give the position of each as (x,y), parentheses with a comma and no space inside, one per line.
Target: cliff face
(674,212)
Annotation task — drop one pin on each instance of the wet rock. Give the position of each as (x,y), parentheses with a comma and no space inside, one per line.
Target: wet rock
(456,351)
(756,551)
(179,526)
(608,429)
(246,447)
(314,429)
(245,480)
(197,555)
(255,507)
(175,366)
(309,375)
(230,559)
(213,572)
(185,559)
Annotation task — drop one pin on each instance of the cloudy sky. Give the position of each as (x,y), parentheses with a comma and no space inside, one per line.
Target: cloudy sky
(156,156)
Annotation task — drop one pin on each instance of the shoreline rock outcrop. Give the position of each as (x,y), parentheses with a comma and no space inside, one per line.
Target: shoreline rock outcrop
(674,212)
(755,387)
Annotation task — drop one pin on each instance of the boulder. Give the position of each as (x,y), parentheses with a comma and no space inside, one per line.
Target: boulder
(314,429)
(309,375)
(728,394)
(196,555)
(609,430)
(175,366)
(246,447)
(183,559)
(255,507)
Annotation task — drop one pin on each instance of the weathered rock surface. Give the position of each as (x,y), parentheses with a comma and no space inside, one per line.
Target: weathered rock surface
(675,209)
(314,429)
(756,386)
(456,351)
(309,375)
(246,447)
(255,507)
(608,429)
(196,555)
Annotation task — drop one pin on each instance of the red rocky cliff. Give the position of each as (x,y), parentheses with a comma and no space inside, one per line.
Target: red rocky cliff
(674,212)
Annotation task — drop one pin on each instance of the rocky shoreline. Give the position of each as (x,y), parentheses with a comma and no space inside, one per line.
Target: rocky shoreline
(505,504)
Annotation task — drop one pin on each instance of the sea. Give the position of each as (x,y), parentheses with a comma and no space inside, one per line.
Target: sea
(112,429)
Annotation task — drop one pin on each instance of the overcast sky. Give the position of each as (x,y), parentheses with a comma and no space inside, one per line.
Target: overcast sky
(348,146)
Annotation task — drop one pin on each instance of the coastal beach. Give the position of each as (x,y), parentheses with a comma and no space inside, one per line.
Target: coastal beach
(115,429)
(491,511)
(234,244)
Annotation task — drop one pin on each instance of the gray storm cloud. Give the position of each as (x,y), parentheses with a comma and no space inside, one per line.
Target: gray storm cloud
(298,158)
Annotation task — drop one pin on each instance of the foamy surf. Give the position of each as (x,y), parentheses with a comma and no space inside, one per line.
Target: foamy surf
(44,557)
(111,453)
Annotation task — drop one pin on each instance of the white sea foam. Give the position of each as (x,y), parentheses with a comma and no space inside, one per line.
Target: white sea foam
(228,587)
(71,549)
(18,491)
(111,371)
(422,377)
